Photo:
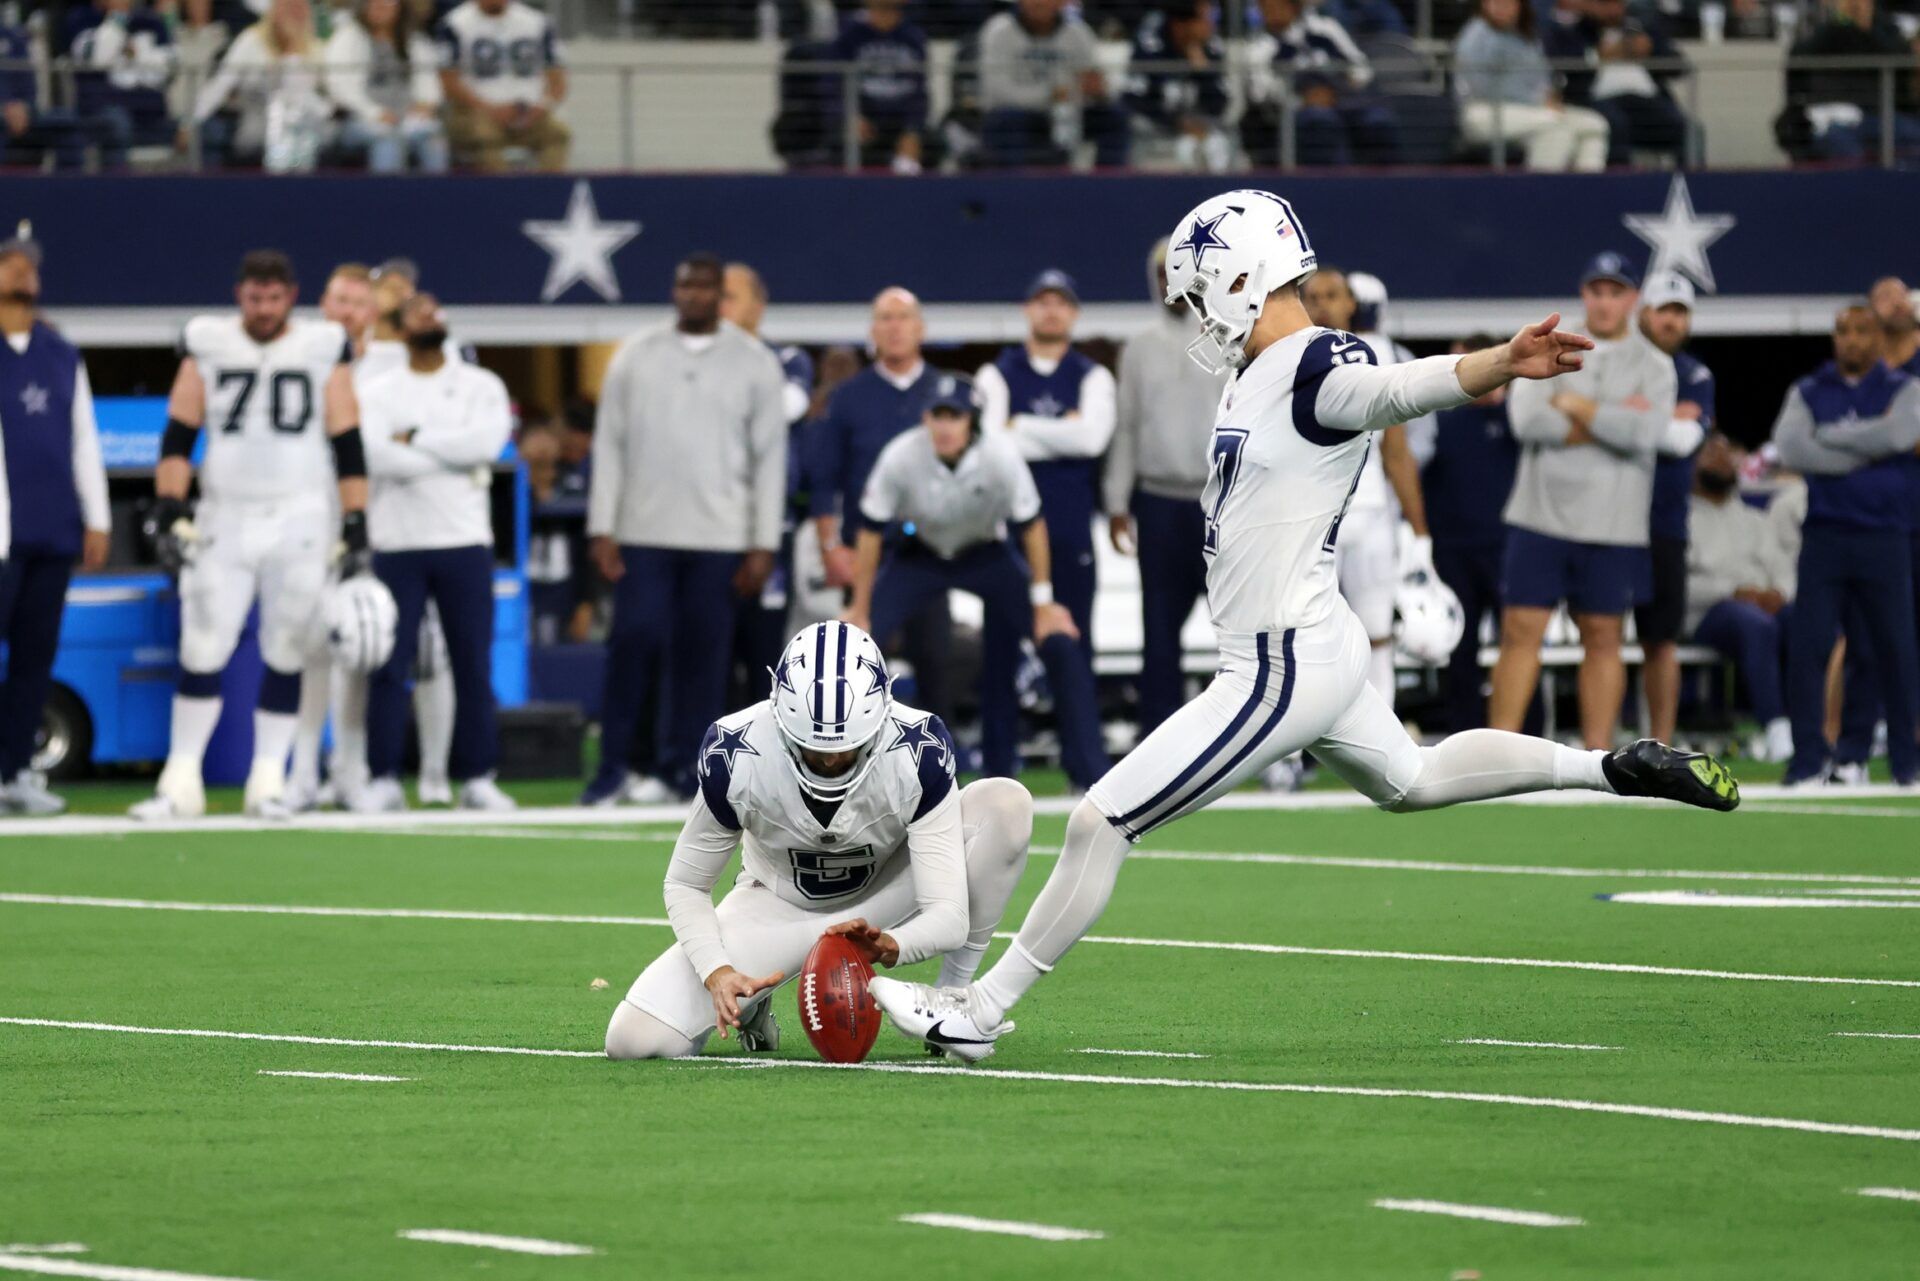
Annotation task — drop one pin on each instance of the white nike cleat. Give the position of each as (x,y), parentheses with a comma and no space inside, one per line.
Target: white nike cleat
(266,792)
(28,795)
(434,791)
(380,796)
(178,794)
(484,794)
(942,1018)
(1851,775)
(648,790)
(300,796)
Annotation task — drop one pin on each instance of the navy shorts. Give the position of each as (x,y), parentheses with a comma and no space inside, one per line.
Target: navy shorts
(1592,578)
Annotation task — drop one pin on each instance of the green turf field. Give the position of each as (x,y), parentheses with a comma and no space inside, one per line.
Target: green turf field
(174,1153)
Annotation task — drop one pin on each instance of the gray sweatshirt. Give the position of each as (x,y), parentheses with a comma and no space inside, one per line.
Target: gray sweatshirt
(690,447)
(1499,66)
(1834,449)
(1167,408)
(1731,545)
(1021,70)
(1600,492)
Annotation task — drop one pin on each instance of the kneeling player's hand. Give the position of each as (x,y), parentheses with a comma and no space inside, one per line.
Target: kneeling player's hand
(1053,619)
(877,945)
(729,987)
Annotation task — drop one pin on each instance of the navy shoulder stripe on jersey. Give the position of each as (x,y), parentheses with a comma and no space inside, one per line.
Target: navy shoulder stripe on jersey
(936,768)
(715,768)
(1325,353)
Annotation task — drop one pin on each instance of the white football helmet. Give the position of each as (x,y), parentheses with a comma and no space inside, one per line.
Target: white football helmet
(831,693)
(1225,257)
(1370,302)
(360,617)
(1429,621)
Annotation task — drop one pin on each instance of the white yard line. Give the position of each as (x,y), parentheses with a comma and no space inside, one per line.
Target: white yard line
(58,1247)
(1199,945)
(1891,1194)
(1531,1045)
(1067,1078)
(335,1076)
(78,1026)
(1144,1054)
(1367,864)
(580,816)
(1880,1036)
(1836,810)
(1004,1227)
(1487,1213)
(525,834)
(490,1241)
(1704,898)
(97,1271)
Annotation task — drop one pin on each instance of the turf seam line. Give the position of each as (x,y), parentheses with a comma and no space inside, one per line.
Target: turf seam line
(1144,1054)
(334,1076)
(1486,1213)
(1880,1036)
(1003,1227)
(1890,1194)
(494,1241)
(1709,898)
(1531,1045)
(1203,945)
(98,1271)
(1069,1078)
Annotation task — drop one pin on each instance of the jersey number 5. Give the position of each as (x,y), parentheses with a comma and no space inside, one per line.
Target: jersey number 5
(824,874)
(289,398)
(1225,451)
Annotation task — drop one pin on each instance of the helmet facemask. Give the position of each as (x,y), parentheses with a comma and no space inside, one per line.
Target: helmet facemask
(1226,315)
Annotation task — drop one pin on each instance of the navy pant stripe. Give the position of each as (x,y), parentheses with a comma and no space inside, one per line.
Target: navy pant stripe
(1220,743)
(1246,749)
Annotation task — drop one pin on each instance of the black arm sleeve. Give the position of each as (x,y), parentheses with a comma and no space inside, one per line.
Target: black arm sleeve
(349,454)
(179,439)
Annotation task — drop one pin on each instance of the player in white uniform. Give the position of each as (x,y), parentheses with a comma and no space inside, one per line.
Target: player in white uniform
(1293,430)
(276,393)
(844,808)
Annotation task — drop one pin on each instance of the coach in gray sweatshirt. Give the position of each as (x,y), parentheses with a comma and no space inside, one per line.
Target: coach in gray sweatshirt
(683,518)
(1577,519)
(1036,60)
(1156,467)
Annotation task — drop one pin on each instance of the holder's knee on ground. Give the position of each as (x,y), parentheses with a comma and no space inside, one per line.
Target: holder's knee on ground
(633,1033)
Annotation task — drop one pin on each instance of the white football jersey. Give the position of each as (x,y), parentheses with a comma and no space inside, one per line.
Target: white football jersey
(1289,445)
(749,786)
(503,56)
(266,423)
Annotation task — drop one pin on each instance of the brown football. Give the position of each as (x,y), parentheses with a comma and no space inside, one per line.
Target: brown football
(836,1008)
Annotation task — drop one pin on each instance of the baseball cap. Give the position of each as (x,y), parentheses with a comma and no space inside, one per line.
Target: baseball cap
(951,391)
(1610,266)
(1667,287)
(1055,281)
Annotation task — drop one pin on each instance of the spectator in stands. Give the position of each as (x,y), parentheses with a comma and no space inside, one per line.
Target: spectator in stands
(1187,102)
(889,59)
(267,101)
(689,479)
(59,512)
(383,73)
(28,132)
(1156,469)
(1508,94)
(504,79)
(763,631)
(123,62)
(1041,90)
(1834,111)
(1310,56)
(428,426)
(1740,588)
(1578,518)
(199,37)
(1618,42)
(1894,307)
(1666,321)
(1466,483)
(862,416)
(1851,427)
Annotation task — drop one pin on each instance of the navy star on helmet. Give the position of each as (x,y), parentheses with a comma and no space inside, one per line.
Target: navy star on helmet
(1228,254)
(831,710)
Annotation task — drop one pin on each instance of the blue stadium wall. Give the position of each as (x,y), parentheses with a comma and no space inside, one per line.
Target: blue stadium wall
(173,241)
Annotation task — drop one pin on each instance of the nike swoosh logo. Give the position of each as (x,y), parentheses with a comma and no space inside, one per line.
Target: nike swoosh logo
(936,1037)
(1342,346)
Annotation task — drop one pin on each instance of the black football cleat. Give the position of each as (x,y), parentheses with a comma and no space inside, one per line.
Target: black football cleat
(1651,768)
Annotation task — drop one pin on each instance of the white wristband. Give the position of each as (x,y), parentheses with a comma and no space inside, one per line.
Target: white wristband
(1041,593)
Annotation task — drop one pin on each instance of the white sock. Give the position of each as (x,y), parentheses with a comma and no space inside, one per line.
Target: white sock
(348,766)
(272,736)
(1579,768)
(433,716)
(958,967)
(193,722)
(315,686)
(1001,988)
(1380,670)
